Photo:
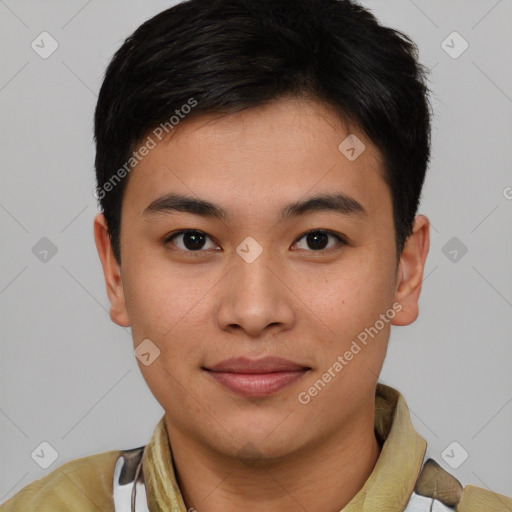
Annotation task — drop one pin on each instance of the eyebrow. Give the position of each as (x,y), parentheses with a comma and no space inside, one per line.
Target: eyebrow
(338,203)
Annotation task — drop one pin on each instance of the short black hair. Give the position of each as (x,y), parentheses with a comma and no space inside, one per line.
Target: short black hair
(224,56)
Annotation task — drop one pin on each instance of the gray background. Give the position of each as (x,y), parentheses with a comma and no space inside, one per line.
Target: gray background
(68,375)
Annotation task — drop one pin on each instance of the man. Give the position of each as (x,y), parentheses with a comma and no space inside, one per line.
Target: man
(259,168)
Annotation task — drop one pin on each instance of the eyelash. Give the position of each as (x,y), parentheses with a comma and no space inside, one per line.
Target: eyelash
(341,241)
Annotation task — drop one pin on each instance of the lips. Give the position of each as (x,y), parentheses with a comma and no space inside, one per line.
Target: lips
(256,377)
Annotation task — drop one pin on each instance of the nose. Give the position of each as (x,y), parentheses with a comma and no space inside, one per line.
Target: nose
(254,296)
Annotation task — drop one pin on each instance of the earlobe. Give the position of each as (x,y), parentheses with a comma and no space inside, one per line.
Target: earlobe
(410,271)
(111,272)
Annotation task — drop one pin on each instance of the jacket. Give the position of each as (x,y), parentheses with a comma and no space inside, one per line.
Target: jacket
(405,478)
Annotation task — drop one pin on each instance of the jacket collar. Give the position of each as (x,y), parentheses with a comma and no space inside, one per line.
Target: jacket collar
(388,488)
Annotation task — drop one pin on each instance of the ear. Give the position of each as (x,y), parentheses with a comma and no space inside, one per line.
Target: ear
(111,271)
(410,271)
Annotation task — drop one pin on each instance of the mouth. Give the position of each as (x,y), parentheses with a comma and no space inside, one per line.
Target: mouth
(258,377)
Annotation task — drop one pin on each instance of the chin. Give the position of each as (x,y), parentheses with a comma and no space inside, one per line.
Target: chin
(253,449)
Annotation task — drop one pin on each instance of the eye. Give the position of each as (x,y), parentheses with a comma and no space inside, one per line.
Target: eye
(318,240)
(190,240)
(193,240)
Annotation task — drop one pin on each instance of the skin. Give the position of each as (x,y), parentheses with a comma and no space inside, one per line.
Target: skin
(273,453)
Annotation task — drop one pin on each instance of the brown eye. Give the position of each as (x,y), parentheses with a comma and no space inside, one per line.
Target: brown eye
(318,240)
(190,240)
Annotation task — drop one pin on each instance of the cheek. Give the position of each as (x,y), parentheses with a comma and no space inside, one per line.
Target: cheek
(160,296)
(353,289)
(350,299)
(165,306)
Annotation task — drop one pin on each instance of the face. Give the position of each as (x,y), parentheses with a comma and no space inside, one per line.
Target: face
(264,271)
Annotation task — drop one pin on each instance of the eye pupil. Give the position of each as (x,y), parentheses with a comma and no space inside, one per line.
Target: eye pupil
(193,240)
(317,240)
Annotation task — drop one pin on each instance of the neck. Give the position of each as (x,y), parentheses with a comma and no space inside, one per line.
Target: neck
(323,478)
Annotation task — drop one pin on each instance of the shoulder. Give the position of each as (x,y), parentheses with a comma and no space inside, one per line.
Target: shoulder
(444,492)
(81,485)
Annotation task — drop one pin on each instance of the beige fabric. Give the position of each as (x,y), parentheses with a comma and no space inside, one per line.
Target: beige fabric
(391,482)
(81,485)
(162,490)
(475,499)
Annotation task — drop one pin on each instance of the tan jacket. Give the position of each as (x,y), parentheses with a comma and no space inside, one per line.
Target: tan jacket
(405,477)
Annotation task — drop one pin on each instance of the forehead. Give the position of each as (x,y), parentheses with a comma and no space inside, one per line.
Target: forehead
(262,157)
